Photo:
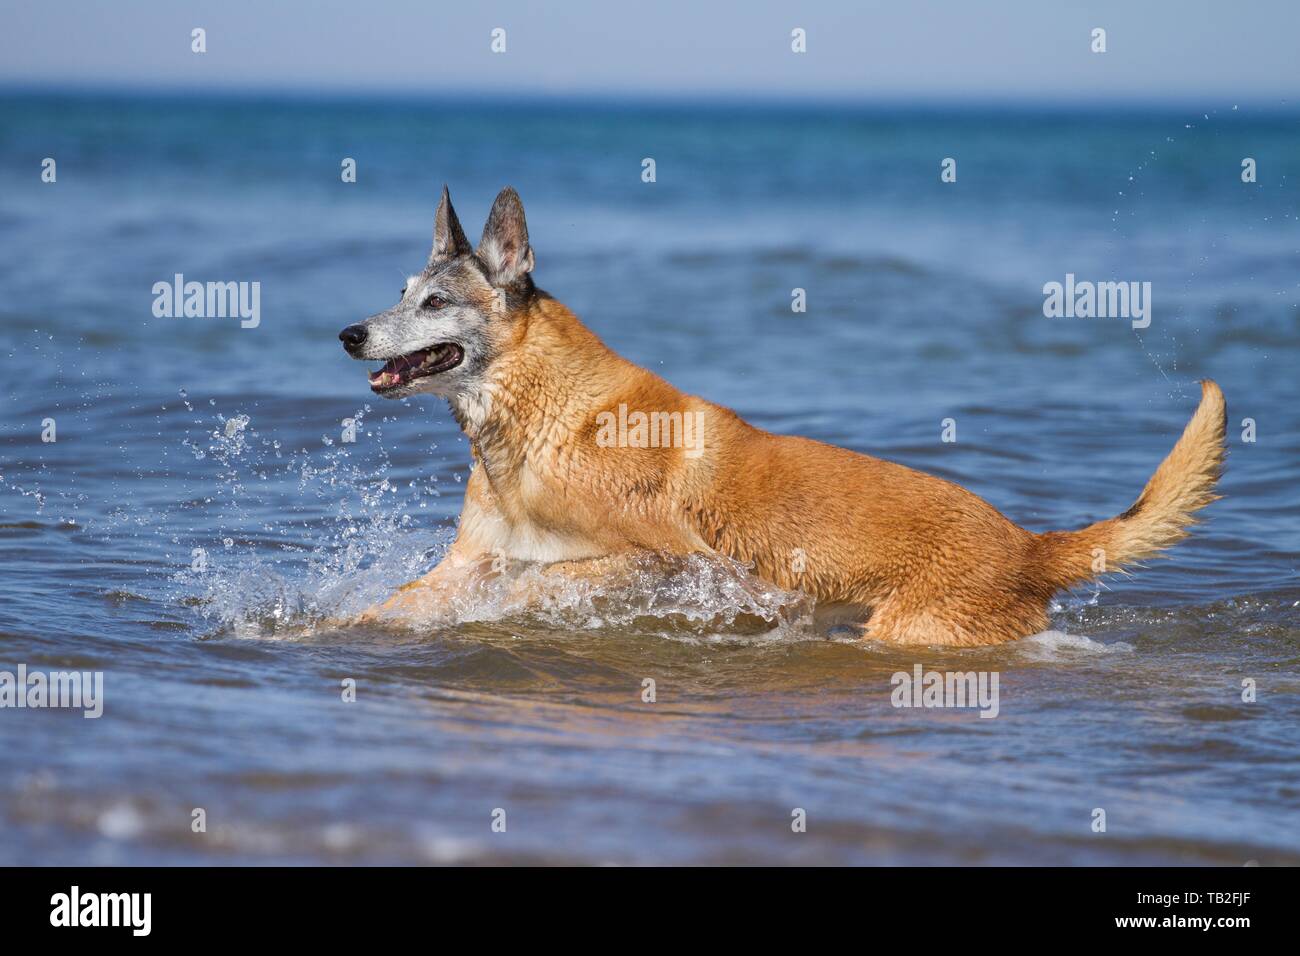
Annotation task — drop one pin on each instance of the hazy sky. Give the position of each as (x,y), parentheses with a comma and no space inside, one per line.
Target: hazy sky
(1198,51)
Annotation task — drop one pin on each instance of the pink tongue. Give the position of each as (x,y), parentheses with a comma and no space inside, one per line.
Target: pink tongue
(391,373)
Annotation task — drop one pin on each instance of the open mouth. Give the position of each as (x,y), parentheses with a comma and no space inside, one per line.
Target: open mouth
(407,368)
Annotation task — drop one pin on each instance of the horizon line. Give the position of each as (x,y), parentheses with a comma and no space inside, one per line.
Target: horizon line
(713,98)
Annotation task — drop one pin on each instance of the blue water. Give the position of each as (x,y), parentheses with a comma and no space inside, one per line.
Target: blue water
(924,303)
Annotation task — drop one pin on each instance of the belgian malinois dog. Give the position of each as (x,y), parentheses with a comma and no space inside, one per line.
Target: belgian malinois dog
(583,460)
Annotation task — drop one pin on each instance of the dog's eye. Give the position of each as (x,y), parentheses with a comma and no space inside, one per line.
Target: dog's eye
(402,294)
(433,302)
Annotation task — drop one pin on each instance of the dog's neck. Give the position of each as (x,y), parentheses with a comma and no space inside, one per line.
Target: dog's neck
(546,388)
(471,407)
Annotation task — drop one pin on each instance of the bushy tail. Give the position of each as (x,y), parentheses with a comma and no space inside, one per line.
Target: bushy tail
(1181,486)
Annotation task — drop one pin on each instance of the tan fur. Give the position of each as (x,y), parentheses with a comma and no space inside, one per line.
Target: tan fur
(915,558)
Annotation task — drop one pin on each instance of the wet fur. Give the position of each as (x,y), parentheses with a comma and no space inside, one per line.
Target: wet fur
(913,558)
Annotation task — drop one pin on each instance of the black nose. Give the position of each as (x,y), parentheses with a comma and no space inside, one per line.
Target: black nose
(352,336)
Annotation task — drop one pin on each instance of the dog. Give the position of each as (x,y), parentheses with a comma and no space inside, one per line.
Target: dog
(564,475)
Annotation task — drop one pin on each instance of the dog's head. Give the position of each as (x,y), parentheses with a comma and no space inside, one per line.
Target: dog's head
(453,319)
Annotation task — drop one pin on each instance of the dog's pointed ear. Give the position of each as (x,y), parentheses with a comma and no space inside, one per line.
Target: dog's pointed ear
(504,248)
(448,237)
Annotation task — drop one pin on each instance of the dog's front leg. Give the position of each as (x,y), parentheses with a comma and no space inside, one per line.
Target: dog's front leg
(429,597)
(466,563)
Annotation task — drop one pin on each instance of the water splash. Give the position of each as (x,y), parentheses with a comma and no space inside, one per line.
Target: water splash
(689,597)
(1059,646)
(350,537)
(347,535)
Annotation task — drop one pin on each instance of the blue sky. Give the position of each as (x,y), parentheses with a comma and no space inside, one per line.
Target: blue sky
(1194,51)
